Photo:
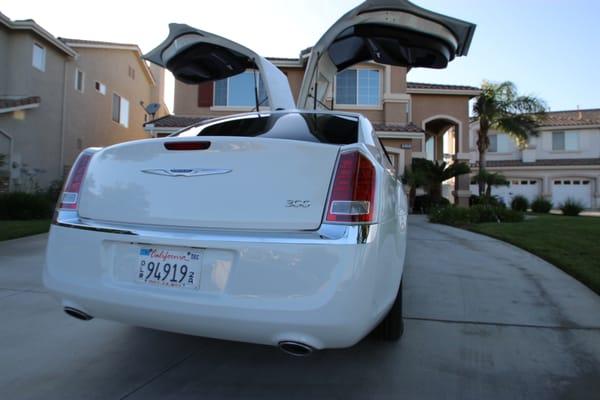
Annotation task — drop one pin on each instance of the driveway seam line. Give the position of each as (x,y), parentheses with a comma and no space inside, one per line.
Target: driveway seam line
(450,321)
(161,373)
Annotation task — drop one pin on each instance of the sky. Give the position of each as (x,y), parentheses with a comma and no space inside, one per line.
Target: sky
(548,48)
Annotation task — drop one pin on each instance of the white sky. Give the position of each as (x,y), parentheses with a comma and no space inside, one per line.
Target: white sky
(547,47)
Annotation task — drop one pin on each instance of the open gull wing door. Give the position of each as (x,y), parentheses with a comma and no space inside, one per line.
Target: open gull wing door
(195,56)
(393,32)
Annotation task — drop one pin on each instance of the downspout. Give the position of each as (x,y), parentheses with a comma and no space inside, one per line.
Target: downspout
(10,153)
(63,124)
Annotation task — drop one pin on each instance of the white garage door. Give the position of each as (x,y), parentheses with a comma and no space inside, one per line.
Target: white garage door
(575,188)
(530,188)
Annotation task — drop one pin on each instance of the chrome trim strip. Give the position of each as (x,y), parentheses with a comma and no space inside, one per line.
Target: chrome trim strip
(326,234)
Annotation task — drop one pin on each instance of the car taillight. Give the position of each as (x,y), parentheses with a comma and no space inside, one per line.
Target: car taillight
(352,197)
(69,198)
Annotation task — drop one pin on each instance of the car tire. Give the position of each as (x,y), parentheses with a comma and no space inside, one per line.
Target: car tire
(392,326)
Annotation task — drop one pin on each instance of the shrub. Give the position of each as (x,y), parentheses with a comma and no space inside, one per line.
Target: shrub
(20,205)
(571,207)
(492,201)
(477,214)
(519,203)
(541,205)
(54,190)
(450,215)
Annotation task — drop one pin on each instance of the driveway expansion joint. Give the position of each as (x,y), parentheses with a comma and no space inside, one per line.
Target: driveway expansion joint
(504,324)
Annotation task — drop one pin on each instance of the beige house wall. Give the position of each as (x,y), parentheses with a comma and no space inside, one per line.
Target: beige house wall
(426,107)
(89,114)
(35,132)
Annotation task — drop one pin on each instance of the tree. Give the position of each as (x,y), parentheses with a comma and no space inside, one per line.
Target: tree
(436,173)
(499,106)
(490,180)
(414,178)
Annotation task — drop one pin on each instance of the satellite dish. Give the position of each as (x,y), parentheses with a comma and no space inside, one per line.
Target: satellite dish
(152,108)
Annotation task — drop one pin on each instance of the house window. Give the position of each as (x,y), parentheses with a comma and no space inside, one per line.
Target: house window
(131,72)
(357,87)
(238,91)
(79,80)
(39,57)
(565,141)
(100,87)
(499,143)
(120,110)
(493,143)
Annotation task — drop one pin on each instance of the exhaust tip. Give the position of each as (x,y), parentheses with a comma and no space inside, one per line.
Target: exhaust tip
(296,349)
(78,314)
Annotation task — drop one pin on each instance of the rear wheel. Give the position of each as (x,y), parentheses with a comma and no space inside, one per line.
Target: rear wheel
(392,326)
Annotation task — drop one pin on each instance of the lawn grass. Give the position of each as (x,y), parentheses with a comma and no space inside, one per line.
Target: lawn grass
(12,229)
(570,243)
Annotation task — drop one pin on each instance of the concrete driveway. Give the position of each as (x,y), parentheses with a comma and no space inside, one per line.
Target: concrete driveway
(484,320)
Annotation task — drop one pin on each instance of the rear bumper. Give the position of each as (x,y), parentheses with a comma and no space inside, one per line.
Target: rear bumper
(317,288)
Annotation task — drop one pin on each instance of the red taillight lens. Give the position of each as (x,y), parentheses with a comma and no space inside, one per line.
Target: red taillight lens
(69,198)
(187,145)
(352,197)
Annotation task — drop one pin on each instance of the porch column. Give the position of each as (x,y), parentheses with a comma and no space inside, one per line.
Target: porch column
(462,186)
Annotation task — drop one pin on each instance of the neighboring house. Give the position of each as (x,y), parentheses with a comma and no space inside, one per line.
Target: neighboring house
(562,161)
(412,119)
(59,96)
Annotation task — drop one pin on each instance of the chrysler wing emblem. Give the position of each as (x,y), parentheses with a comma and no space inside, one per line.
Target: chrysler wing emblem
(187,172)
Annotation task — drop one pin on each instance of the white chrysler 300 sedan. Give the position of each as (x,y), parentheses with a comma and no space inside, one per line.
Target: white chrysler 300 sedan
(283,226)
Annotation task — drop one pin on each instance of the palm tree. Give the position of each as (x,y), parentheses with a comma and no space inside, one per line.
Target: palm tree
(499,106)
(414,178)
(491,180)
(438,172)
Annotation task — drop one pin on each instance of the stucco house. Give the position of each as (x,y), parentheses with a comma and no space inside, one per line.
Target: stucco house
(562,161)
(412,119)
(58,96)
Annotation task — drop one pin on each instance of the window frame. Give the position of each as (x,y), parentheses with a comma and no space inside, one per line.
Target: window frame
(228,107)
(101,86)
(566,141)
(119,113)
(360,106)
(41,67)
(77,72)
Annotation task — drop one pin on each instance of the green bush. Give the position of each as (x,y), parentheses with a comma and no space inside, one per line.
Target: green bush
(571,207)
(19,205)
(477,214)
(494,201)
(450,215)
(541,205)
(519,203)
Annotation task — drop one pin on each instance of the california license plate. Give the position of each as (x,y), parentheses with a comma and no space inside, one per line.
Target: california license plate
(168,267)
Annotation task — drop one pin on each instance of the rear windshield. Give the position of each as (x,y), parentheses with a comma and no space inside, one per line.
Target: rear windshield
(306,127)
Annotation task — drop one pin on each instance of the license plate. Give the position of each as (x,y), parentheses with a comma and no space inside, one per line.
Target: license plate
(168,267)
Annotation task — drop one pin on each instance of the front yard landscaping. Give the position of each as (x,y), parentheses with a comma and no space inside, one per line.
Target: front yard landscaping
(12,229)
(570,243)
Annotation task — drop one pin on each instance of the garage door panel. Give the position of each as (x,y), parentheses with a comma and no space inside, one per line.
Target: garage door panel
(579,189)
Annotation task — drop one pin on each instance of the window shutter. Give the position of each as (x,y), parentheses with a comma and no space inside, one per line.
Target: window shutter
(205,94)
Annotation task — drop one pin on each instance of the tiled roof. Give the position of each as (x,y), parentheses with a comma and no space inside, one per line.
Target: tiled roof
(410,127)
(571,118)
(24,101)
(175,121)
(436,86)
(544,163)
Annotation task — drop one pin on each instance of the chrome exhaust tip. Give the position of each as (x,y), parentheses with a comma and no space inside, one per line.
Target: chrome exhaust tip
(78,314)
(296,349)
